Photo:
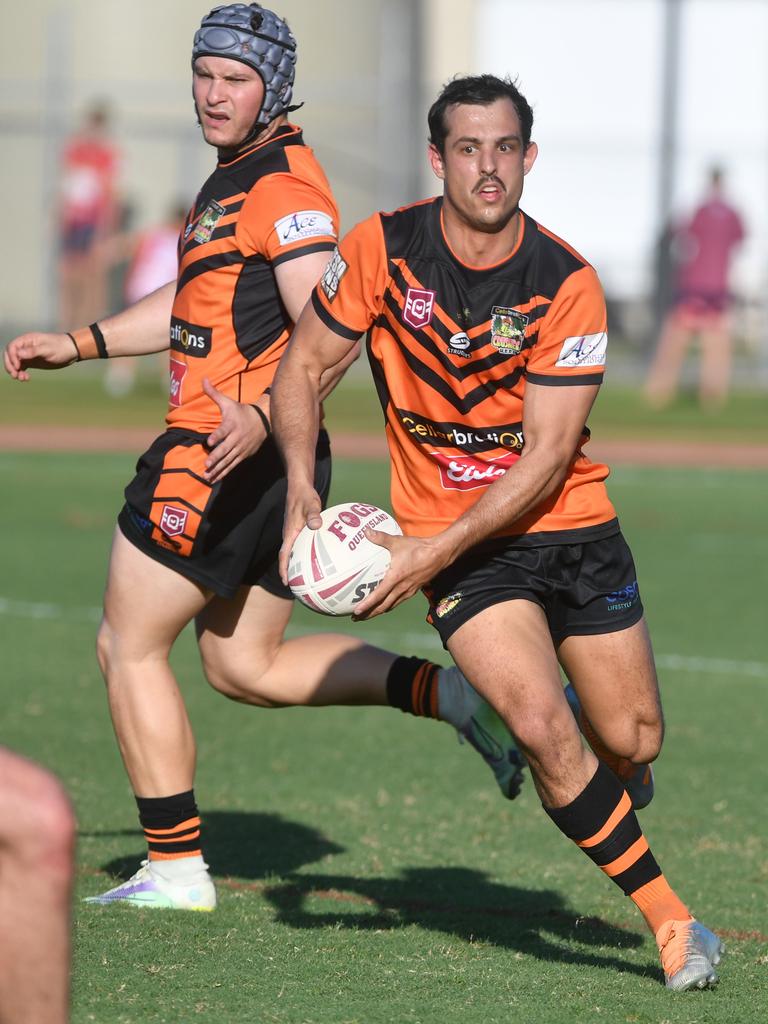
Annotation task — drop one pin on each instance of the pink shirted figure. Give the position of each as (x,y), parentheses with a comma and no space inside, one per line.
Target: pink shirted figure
(153,262)
(701,302)
(87,214)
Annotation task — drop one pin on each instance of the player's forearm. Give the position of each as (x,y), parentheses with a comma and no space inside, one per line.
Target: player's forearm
(536,476)
(137,330)
(295,410)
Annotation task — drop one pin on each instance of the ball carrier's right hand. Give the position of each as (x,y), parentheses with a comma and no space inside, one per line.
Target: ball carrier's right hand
(35,351)
(302,508)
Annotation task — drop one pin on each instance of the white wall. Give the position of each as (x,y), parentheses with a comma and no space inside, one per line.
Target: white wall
(592,71)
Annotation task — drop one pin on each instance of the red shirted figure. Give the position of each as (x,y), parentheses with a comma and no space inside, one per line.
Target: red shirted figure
(87,216)
(701,301)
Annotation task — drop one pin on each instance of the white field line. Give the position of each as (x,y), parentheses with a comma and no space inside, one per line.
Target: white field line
(48,612)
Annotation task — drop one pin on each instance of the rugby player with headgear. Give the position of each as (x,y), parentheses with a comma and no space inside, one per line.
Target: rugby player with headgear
(200,531)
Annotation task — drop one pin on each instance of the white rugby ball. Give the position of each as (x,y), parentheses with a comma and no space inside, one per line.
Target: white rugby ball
(333,568)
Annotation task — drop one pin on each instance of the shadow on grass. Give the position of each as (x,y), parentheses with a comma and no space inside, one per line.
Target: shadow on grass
(455,901)
(461,903)
(246,845)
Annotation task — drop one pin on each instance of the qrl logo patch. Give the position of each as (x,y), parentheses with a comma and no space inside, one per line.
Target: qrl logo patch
(178,373)
(465,473)
(173,520)
(419,303)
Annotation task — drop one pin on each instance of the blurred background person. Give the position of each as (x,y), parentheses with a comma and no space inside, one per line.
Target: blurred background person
(37,849)
(703,250)
(87,217)
(151,260)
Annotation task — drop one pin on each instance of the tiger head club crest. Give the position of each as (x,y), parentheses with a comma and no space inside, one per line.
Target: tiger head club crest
(418,307)
(209,218)
(508,330)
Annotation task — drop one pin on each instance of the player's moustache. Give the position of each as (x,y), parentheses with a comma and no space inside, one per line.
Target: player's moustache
(492,180)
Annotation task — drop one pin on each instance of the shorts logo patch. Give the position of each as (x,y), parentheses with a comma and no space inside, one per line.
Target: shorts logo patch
(178,373)
(508,330)
(459,345)
(305,224)
(446,605)
(465,473)
(190,339)
(621,600)
(333,274)
(173,520)
(209,218)
(419,304)
(586,350)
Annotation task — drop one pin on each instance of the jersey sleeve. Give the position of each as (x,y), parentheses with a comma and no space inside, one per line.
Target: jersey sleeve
(350,293)
(285,216)
(573,339)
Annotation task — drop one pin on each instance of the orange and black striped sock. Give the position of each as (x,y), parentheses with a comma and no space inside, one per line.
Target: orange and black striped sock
(601,821)
(412,686)
(171,825)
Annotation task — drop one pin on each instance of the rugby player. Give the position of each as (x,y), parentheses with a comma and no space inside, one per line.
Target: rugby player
(200,531)
(486,335)
(37,854)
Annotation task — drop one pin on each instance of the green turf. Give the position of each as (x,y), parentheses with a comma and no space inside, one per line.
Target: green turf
(368,870)
(76,397)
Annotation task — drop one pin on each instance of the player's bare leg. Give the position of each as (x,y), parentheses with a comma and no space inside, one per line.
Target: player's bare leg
(506,653)
(615,678)
(619,708)
(716,357)
(146,606)
(247,658)
(37,838)
(667,365)
(521,679)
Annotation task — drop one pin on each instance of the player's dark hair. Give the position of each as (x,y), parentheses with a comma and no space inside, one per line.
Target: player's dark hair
(477,90)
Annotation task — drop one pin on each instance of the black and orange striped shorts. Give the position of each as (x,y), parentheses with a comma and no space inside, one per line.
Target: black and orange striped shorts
(222,536)
(583,588)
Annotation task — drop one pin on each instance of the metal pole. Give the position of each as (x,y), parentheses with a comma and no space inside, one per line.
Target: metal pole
(401,131)
(668,135)
(56,103)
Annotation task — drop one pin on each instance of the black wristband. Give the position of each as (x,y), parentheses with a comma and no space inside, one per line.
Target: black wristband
(263,418)
(72,339)
(98,337)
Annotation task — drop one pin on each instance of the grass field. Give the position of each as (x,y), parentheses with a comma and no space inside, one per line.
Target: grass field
(368,870)
(77,398)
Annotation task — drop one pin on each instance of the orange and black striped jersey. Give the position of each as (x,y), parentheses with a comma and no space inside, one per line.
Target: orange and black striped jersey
(268,205)
(452,348)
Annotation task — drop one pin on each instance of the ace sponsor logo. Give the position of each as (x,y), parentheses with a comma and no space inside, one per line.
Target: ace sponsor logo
(419,304)
(305,224)
(465,473)
(584,350)
(173,520)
